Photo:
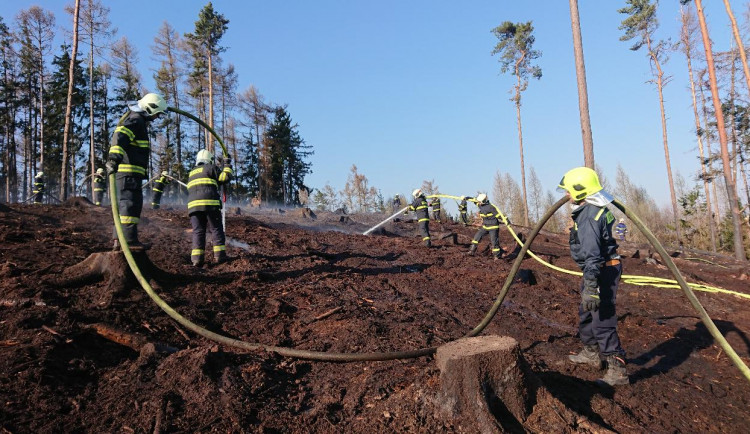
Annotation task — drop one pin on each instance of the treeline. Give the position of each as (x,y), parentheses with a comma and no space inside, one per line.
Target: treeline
(270,156)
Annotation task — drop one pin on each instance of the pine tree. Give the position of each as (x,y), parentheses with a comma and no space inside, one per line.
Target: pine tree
(287,153)
(515,48)
(209,29)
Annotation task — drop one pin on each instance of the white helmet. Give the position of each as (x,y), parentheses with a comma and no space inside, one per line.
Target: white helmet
(622,220)
(204,157)
(463,197)
(152,104)
(417,192)
(482,198)
(164,173)
(100,171)
(39,175)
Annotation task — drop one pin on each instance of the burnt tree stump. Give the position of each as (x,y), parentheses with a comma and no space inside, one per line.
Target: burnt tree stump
(487,386)
(111,268)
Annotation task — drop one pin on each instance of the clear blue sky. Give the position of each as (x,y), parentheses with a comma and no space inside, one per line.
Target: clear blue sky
(408,90)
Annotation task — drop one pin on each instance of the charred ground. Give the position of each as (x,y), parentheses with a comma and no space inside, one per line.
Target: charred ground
(316,284)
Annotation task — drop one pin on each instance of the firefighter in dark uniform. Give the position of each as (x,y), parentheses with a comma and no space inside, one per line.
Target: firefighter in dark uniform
(396,202)
(100,185)
(204,206)
(491,217)
(158,189)
(463,208)
(128,157)
(38,187)
(594,248)
(435,204)
(419,206)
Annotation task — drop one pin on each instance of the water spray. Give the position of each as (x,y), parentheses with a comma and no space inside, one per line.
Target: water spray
(367,232)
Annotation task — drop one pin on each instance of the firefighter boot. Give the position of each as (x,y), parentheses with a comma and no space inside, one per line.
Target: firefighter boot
(472,250)
(220,257)
(616,374)
(589,355)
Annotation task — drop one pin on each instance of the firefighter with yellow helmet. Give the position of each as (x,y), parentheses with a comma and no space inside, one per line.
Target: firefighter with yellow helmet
(593,247)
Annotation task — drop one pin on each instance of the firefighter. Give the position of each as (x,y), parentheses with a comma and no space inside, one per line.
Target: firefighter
(38,187)
(396,202)
(204,205)
(435,204)
(419,206)
(621,230)
(491,216)
(158,189)
(594,248)
(463,208)
(100,186)
(128,157)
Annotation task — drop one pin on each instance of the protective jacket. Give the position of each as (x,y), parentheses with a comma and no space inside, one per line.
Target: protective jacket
(203,186)
(129,147)
(160,183)
(419,206)
(38,185)
(463,206)
(491,215)
(435,204)
(591,240)
(99,183)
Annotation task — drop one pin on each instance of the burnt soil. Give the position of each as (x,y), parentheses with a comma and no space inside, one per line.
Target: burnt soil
(387,292)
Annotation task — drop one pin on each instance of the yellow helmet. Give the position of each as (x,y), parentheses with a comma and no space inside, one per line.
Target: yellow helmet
(100,171)
(152,104)
(164,173)
(580,182)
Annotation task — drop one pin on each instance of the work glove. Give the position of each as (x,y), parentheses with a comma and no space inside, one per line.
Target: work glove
(590,296)
(111,167)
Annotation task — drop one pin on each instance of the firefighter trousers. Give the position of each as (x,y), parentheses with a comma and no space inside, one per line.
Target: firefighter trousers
(599,327)
(98,196)
(494,239)
(130,202)
(463,218)
(156,200)
(211,220)
(424,230)
(38,196)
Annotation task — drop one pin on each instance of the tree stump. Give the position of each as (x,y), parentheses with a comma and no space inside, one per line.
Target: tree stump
(110,267)
(484,379)
(487,386)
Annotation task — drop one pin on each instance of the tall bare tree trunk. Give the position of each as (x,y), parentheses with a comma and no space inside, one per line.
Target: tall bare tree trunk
(583,97)
(520,147)
(739,251)
(66,131)
(92,151)
(660,87)
(704,175)
(41,110)
(709,153)
(740,45)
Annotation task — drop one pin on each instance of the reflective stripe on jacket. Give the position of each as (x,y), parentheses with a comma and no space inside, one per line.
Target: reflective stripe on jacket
(129,146)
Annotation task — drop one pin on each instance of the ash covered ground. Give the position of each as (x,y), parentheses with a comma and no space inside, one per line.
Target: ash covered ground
(101,356)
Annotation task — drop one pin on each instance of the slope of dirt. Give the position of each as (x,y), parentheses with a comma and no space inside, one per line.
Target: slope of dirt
(311,282)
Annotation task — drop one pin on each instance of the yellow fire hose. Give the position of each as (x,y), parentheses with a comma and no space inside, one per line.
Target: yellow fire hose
(656,282)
